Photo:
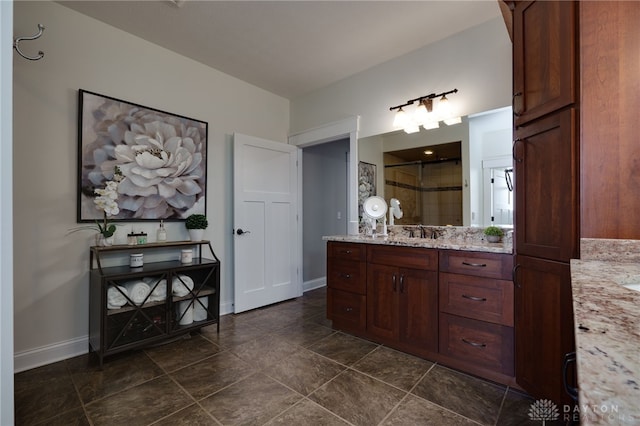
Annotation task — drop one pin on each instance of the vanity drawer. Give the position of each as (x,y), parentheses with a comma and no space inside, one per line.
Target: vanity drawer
(483,344)
(347,310)
(490,265)
(347,275)
(347,251)
(403,257)
(484,299)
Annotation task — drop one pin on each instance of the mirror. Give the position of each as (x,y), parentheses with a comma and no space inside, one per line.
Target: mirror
(467,180)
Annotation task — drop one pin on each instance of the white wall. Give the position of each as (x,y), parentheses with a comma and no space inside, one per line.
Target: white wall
(6,215)
(477,62)
(51,268)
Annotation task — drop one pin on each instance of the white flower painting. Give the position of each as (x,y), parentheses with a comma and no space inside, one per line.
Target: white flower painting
(161,157)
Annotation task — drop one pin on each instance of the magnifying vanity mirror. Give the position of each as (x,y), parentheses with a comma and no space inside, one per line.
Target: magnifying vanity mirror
(460,175)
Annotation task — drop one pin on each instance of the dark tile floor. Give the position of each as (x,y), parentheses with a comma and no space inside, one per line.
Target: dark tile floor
(280,365)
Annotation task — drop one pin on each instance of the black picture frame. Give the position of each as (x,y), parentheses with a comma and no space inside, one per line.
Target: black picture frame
(162,158)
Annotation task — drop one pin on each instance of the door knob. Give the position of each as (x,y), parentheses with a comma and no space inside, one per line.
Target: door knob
(241,232)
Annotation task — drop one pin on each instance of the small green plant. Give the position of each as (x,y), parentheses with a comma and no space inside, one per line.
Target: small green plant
(196,221)
(493,231)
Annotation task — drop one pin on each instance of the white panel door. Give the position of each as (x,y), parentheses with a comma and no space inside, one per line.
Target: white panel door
(266,252)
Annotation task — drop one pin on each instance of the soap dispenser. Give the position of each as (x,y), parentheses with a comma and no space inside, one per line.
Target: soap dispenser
(161,234)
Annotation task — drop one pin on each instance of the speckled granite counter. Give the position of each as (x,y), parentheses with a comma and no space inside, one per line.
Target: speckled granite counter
(448,237)
(607,329)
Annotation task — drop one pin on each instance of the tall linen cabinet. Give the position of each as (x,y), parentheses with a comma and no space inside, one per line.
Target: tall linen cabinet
(545,151)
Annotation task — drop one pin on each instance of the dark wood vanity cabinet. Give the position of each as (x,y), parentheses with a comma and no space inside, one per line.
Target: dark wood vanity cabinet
(449,306)
(402,296)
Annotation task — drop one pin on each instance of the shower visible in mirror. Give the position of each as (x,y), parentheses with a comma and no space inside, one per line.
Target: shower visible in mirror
(428,183)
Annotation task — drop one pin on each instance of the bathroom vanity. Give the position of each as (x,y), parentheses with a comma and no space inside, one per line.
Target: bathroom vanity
(448,299)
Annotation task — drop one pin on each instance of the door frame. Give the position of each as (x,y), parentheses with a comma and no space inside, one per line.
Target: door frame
(331,132)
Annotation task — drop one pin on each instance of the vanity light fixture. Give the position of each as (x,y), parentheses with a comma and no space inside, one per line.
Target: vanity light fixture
(424,114)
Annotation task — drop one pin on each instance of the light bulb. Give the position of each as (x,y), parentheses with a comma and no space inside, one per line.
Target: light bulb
(421,115)
(400,120)
(444,107)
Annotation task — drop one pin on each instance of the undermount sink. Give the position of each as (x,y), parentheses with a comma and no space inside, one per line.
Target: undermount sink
(632,283)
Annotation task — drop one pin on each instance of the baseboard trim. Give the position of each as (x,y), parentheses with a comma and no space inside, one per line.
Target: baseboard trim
(313,284)
(44,355)
(33,358)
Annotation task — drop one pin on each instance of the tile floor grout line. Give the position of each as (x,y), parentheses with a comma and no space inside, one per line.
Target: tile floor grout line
(504,399)
(434,403)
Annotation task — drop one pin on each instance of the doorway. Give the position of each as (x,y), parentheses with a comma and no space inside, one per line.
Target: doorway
(324,205)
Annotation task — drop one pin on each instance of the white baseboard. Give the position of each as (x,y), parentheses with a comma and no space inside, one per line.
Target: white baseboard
(313,284)
(49,354)
(44,355)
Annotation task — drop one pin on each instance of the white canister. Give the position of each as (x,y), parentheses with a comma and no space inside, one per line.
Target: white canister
(186,256)
(200,308)
(184,310)
(136,260)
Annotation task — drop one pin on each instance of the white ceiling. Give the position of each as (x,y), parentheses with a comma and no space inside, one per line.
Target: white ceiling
(291,48)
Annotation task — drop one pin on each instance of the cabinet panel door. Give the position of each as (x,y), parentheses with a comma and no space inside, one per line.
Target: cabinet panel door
(544,58)
(382,303)
(418,311)
(543,326)
(546,165)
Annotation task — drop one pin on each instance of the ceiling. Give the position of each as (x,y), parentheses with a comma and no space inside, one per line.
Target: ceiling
(290,48)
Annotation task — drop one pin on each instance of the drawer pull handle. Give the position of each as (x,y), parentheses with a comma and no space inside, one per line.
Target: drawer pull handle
(477,265)
(347,276)
(474,344)
(402,283)
(349,309)
(347,251)
(475,298)
(393,280)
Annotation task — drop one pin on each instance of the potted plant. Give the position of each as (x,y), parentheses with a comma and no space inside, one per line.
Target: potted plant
(196,224)
(493,234)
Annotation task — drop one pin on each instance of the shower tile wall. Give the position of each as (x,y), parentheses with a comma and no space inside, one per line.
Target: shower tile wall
(442,193)
(436,200)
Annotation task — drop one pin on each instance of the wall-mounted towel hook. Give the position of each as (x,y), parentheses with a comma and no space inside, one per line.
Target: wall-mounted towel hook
(17,41)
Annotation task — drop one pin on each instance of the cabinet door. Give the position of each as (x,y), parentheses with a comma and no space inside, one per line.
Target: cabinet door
(543,326)
(546,193)
(382,303)
(195,296)
(136,310)
(544,58)
(418,303)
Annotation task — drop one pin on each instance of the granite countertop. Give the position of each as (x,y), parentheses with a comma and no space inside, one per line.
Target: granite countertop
(448,237)
(607,331)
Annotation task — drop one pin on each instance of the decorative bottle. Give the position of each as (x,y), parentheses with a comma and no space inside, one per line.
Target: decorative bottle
(161,234)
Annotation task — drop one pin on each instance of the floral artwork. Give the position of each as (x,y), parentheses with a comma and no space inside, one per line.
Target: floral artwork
(160,156)
(366,183)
